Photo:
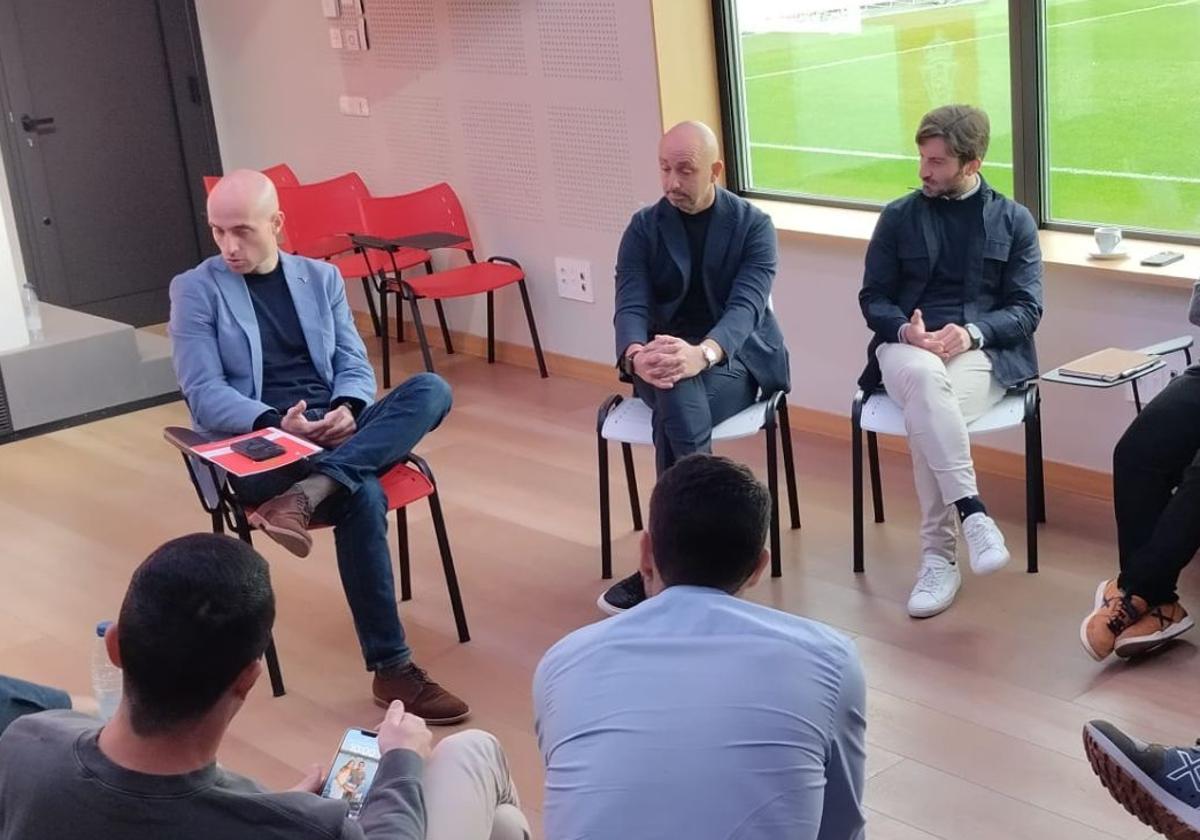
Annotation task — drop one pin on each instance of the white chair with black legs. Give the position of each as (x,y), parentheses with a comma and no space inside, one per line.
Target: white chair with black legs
(626,420)
(876,413)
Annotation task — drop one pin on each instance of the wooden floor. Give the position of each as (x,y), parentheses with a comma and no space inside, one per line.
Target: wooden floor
(974,716)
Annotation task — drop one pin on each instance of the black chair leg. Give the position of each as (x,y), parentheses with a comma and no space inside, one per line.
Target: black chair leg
(419,329)
(491,327)
(876,483)
(1031,497)
(402,555)
(443,541)
(384,349)
(441,313)
(856,494)
(273,672)
(773,488)
(533,333)
(605,511)
(242,526)
(1041,467)
(635,506)
(369,294)
(789,463)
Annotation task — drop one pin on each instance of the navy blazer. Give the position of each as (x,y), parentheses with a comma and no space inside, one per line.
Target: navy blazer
(217,349)
(739,268)
(1002,292)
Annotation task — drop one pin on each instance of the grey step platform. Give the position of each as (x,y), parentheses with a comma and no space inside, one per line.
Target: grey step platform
(83,364)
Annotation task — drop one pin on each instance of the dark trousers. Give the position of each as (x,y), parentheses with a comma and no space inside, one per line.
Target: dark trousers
(1156,491)
(684,416)
(387,431)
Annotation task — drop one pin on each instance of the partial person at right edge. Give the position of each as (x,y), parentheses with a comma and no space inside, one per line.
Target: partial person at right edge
(952,290)
(1156,498)
(698,714)
(695,333)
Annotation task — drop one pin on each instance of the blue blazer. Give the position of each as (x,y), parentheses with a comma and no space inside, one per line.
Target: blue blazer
(739,268)
(218,352)
(1002,292)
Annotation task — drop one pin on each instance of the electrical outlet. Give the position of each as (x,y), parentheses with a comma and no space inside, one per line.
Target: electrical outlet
(1150,384)
(574,279)
(354,106)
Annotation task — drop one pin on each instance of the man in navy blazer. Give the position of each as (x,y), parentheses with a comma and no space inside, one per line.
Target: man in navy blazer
(262,338)
(695,333)
(953,293)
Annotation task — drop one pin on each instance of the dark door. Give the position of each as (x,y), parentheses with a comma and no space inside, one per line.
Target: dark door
(107,131)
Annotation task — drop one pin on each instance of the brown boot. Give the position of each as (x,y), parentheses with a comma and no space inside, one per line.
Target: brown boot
(420,695)
(285,520)
(1114,612)
(1158,626)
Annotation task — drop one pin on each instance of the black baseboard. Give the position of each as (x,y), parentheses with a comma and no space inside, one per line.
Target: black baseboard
(90,417)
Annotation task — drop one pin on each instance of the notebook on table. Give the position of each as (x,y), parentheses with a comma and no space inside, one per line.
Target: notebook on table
(1109,365)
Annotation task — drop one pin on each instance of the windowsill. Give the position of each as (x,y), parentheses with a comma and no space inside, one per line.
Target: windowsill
(1059,248)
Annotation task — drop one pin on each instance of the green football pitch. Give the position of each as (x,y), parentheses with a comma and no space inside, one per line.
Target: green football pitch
(833,114)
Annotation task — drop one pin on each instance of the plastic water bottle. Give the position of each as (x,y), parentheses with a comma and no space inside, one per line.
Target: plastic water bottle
(106,677)
(33,312)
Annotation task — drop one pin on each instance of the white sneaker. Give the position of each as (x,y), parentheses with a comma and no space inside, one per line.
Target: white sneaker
(937,584)
(985,544)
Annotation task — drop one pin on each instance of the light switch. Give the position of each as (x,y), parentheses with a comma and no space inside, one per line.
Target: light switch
(330,8)
(350,39)
(335,37)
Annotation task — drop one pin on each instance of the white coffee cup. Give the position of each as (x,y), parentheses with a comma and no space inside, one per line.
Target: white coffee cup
(1108,239)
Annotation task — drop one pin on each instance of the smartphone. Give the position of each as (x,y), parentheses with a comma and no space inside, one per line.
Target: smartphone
(257,448)
(353,769)
(1162,258)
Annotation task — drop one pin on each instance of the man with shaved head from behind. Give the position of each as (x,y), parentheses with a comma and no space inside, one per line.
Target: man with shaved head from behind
(263,338)
(694,330)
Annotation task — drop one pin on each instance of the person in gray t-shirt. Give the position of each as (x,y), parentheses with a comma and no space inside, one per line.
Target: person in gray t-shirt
(192,630)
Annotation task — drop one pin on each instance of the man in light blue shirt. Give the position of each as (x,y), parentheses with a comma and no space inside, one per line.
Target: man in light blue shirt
(697,714)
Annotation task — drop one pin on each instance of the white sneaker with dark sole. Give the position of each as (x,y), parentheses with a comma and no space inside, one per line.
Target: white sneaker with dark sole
(937,583)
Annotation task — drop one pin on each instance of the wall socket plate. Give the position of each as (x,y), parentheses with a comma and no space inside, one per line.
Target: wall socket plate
(574,279)
(354,106)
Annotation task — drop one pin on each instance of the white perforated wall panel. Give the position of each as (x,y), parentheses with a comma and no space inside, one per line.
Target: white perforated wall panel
(579,39)
(403,33)
(487,36)
(591,146)
(503,162)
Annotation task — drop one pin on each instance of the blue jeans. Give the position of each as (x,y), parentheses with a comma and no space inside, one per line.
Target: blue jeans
(682,417)
(18,698)
(387,431)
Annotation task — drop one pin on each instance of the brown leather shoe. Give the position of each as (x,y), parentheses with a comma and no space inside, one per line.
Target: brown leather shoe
(1114,612)
(420,695)
(285,520)
(1158,626)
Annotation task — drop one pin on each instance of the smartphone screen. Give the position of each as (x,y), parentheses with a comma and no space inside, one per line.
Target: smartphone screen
(353,769)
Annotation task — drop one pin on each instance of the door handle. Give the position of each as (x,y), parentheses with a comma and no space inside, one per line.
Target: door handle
(32,124)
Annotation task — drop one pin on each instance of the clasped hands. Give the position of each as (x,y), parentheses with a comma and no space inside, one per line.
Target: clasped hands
(666,360)
(945,343)
(334,429)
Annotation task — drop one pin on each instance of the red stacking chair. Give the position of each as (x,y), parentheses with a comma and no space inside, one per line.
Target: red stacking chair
(404,484)
(281,175)
(317,222)
(436,209)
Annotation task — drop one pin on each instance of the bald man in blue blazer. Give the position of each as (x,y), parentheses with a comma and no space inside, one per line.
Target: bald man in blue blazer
(262,338)
(695,333)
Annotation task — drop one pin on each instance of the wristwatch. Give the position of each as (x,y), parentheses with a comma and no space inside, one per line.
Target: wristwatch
(710,355)
(627,363)
(976,336)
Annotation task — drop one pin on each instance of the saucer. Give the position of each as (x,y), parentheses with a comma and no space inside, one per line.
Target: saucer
(1118,254)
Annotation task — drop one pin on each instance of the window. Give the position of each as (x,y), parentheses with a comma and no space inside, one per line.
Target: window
(833,90)
(1123,113)
(824,97)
